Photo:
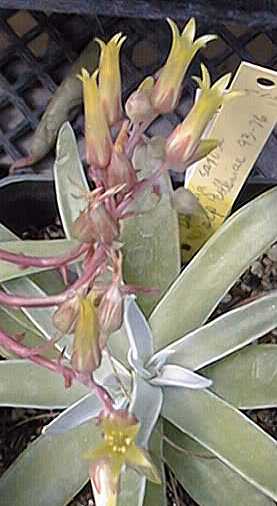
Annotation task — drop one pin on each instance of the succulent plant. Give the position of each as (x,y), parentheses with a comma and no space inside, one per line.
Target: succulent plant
(171,389)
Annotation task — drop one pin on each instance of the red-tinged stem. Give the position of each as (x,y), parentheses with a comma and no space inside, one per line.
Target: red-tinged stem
(26,261)
(136,135)
(10,344)
(91,271)
(130,289)
(138,188)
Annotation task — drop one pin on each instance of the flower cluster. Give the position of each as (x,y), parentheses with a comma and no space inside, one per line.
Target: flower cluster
(92,307)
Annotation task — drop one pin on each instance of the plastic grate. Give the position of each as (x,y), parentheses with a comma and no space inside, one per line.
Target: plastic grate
(36,50)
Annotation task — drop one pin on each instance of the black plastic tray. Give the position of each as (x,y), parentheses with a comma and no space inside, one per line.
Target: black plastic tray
(251,12)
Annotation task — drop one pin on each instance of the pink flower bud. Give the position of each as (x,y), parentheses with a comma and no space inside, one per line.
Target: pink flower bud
(139,106)
(110,310)
(106,228)
(65,316)
(82,227)
(96,224)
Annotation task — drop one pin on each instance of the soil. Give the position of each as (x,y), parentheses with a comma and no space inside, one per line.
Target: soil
(18,427)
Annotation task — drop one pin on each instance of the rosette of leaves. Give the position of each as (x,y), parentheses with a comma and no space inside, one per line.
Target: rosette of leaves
(218,454)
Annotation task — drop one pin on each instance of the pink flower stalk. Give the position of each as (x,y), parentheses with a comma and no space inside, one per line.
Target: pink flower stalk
(10,344)
(26,261)
(92,270)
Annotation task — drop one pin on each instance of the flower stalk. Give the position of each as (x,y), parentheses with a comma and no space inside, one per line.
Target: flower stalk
(70,375)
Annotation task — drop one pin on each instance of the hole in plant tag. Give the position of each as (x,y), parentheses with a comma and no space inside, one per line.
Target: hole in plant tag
(264,82)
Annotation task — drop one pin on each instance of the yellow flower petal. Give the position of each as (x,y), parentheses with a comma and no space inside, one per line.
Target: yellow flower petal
(140,460)
(116,467)
(221,84)
(190,29)
(86,354)
(97,454)
(203,41)
(110,78)
(98,139)
(147,84)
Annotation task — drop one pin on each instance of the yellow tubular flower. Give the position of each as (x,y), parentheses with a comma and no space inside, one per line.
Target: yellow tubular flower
(119,432)
(185,146)
(167,89)
(98,139)
(110,78)
(86,355)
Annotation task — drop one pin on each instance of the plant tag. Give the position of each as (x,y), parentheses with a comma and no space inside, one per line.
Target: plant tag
(243,128)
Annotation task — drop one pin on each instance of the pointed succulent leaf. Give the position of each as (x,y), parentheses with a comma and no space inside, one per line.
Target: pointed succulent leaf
(176,376)
(158,360)
(70,179)
(146,404)
(251,226)
(255,368)
(54,459)
(138,331)
(225,334)
(23,384)
(77,414)
(208,481)
(226,433)
(156,493)
(151,241)
(6,234)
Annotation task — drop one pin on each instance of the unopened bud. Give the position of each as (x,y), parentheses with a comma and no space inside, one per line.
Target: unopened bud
(82,227)
(106,228)
(96,224)
(111,310)
(65,316)
(138,106)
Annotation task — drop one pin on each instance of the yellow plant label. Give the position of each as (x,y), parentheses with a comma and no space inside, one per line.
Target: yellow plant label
(243,127)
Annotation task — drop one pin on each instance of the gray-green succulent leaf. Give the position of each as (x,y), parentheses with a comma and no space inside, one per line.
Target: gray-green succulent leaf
(77,414)
(154,369)
(177,376)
